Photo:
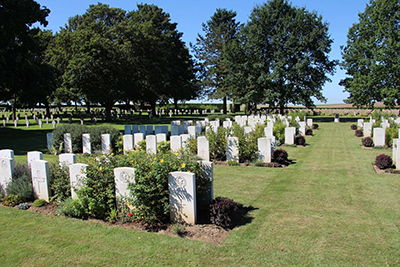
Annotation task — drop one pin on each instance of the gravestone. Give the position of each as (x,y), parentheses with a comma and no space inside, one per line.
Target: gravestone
(67,143)
(208,169)
(309,122)
(161,137)
(7,153)
(86,145)
(127,141)
(367,128)
(184,138)
(395,146)
(175,143)
(232,149)
(360,123)
(49,140)
(106,143)
(264,149)
(143,130)
(302,127)
(77,175)
(123,176)
(34,155)
(290,133)
(192,131)
(6,171)
(53,123)
(40,179)
(268,131)
(151,144)
(135,129)
(175,130)
(128,129)
(379,137)
(137,137)
(149,130)
(182,197)
(203,148)
(66,159)
(248,129)
(337,118)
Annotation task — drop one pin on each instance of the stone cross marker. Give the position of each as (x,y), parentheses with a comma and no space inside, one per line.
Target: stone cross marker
(77,174)
(40,179)
(182,198)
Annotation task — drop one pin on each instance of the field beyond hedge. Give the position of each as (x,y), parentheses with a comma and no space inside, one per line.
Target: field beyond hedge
(328,208)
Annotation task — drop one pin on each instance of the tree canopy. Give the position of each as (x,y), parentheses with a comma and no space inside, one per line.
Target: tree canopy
(371,56)
(283,57)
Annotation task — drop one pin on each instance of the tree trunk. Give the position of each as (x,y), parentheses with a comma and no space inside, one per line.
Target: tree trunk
(175,103)
(47,106)
(224,101)
(153,107)
(282,109)
(14,108)
(76,107)
(108,108)
(87,107)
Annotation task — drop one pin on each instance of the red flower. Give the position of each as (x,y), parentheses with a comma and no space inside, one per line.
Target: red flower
(130,214)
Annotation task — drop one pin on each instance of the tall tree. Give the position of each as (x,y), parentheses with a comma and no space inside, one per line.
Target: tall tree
(219,31)
(17,45)
(289,48)
(371,56)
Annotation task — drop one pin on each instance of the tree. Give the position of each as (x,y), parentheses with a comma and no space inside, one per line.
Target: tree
(371,56)
(288,49)
(17,45)
(219,31)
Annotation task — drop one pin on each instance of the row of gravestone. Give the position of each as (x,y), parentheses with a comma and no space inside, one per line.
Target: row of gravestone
(181,185)
(378,133)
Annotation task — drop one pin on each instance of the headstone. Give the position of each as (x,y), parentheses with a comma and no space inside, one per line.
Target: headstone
(34,155)
(379,137)
(232,149)
(151,144)
(360,123)
(77,175)
(137,137)
(67,143)
(367,128)
(128,129)
(208,168)
(149,130)
(7,153)
(161,137)
(40,179)
(268,131)
(184,138)
(395,146)
(337,118)
(143,130)
(290,133)
(6,171)
(175,143)
(123,176)
(248,129)
(86,144)
(127,142)
(182,197)
(302,127)
(309,122)
(192,131)
(203,148)
(106,143)
(264,149)
(66,159)
(135,129)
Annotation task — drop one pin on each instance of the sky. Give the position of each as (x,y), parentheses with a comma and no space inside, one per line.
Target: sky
(189,15)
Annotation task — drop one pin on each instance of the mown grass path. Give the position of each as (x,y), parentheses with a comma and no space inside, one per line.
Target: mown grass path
(330,208)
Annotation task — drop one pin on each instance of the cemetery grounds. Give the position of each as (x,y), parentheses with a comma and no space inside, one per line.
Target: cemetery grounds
(328,208)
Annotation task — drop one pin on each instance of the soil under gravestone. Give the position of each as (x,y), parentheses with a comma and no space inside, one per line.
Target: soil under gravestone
(203,231)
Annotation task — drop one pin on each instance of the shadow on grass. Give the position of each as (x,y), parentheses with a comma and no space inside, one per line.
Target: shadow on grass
(23,140)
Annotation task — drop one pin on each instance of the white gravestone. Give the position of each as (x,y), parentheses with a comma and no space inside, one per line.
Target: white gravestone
(86,145)
(123,177)
(7,153)
(208,169)
(77,175)
(203,148)
(290,133)
(302,128)
(264,149)
(176,143)
(268,131)
(6,171)
(192,131)
(379,137)
(67,143)
(395,146)
(66,159)
(367,128)
(137,137)
(49,139)
(232,149)
(309,122)
(161,137)
(182,197)
(34,155)
(40,179)
(360,123)
(106,143)
(151,144)
(184,138)
(397,162)
(127,141)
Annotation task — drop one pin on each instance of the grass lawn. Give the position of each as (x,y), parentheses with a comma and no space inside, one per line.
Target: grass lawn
(330,208)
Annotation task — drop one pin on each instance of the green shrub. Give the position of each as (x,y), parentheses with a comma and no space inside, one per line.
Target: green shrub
(21,184)
(11,200)
(218,142)
(163,147)
(248,149)
(59,182)
(259,163)
(222,211)
(221,117)
(232,163)
(67,208)
(39,203)
(279,131)
(390,134)
(142,145)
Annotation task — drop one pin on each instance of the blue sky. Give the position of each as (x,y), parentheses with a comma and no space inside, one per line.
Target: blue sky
(340,14)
